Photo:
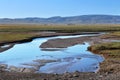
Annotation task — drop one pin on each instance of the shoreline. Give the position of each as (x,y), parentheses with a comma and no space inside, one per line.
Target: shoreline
(44,35)
(22,69)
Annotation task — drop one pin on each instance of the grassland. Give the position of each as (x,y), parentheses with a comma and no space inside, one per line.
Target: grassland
(7,36)
(12,32)
(59,28)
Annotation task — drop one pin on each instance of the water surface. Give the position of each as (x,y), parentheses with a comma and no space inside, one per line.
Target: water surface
(71,59)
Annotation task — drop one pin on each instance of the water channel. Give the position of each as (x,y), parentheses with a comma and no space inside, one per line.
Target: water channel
(71,59)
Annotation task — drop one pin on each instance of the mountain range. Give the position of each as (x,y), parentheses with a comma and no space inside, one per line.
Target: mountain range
(83,19)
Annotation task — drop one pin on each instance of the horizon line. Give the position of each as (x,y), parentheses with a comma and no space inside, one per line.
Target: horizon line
(61,16)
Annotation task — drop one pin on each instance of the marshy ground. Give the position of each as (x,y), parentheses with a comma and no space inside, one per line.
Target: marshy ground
(110,68)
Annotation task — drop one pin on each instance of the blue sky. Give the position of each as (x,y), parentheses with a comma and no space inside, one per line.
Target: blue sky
(49,8)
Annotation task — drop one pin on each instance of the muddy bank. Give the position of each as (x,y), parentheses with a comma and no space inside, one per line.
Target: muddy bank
(31,67)
(64,43)
(112,57)
(110,67)
(6,47)
(65,76)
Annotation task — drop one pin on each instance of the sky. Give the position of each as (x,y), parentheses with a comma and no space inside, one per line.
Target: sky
(49,8)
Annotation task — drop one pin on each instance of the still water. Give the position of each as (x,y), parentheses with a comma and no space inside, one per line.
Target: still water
(71,59)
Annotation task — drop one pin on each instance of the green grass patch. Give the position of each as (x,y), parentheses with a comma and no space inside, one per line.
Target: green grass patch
(111,52)
(112,35)
(111,49)
(6,37)
(107,46)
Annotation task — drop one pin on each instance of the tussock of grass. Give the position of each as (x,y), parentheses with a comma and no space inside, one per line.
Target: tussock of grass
(115,34)
(112,52)
(111,49)
(112,35)
(107,46)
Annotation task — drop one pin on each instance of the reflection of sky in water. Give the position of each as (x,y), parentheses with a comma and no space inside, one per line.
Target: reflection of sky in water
(82,65)
(27,52)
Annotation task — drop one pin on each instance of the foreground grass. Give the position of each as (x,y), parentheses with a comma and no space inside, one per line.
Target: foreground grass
(110,49)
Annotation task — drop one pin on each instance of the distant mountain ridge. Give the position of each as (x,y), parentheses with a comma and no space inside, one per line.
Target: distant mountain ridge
(83,19)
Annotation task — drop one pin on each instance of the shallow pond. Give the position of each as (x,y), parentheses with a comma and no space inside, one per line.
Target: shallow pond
(71,59)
